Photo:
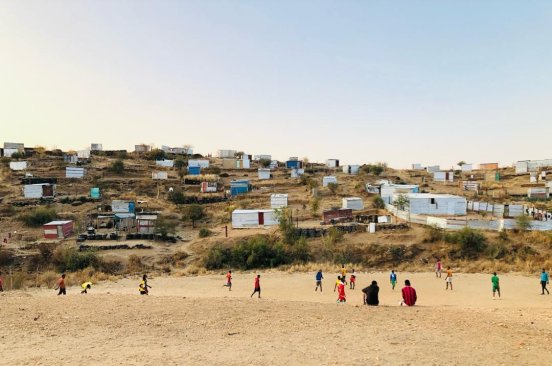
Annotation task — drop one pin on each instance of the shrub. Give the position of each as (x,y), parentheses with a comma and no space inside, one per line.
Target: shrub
(177,197)
(378,202)
(212,170)
(332,187)
(155,154)
(70,259)
(265,163)
(7,258)
(523,223)
(315,206)
(471,241)
(117,167)
(38,216)
(179,163)
(285,224)
(434,234)
(204,232)
(134,263)
(165,226)
(375,169)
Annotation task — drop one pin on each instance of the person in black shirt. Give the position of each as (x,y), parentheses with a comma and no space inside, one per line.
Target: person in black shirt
(371,294)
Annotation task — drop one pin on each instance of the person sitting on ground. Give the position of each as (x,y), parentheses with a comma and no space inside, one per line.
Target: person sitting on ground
(408,294)
(85,287)
(371,294)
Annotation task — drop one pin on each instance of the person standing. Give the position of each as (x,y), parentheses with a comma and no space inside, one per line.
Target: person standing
(343,272)
(408,294)
(438,268)
(61,285)
(1,283)
(143,286)
(544,280)
(229,280)
(352,280)
(337,283)
(341,297)
(393,279)
(257,286)
(448,279)
(319,278)
(371,294)
(496,284)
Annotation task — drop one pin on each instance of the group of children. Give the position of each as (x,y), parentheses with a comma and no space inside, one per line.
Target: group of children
(371,293)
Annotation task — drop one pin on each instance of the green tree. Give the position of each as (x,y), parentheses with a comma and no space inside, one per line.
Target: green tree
(401,203)
(179,163)
(265,163)
(285,223)
(461,162)
(193,213)
(315,206)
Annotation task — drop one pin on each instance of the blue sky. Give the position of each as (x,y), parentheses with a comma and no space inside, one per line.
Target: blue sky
(432,82)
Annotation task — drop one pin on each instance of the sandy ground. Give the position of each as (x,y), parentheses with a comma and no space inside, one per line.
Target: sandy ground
(195,320)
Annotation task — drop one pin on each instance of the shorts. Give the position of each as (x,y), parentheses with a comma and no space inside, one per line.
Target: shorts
(393,282)
(258,289)
(318,282)
(449,279)
(496,288)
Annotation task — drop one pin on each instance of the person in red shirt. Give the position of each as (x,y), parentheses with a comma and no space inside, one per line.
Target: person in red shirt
(1,283)
(341,298)
(61,285)
(229,280)
(257,286)
(408,294)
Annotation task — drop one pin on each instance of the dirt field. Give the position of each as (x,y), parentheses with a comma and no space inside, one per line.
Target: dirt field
(195,320)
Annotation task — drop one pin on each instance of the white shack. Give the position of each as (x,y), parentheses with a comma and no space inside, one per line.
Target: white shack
(165,163)
(263,173)
(387,190)
(417,166)
(18,165)
(354,203)
(351,169)
(41,190)
(202,163)
(435,204)
(226,153)
(74,172)
(332,163)
(278,200)
(83,154)
(159,175)
(467,167)
(328,179)
(242,219)
(443,176)
(296,172)
(433,168)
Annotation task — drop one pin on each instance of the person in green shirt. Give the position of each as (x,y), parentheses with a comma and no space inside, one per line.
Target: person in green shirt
(496,285)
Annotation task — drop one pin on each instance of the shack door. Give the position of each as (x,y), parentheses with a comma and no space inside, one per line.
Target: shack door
(261,218)
(60,231)
(47,191)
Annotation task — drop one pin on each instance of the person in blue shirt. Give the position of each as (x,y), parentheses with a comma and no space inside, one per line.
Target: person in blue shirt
(544,281)
(393,279)
(319,278)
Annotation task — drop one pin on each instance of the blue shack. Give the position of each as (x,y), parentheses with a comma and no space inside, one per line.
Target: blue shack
(194,170)
(294,164)
(239,187)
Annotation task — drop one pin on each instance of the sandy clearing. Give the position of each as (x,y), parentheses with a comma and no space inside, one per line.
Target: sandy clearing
(194,320)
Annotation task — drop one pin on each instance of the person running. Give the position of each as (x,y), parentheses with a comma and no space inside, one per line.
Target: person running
(319,278)
(496,284)
(341,298)
(257,286)
(544,281)
(85,287)
(448,279)
(229,281)
(143,286)
(371,294)
(438,268)
(408,294)
(352,280)
(393,279)
(61,285)
(1,283)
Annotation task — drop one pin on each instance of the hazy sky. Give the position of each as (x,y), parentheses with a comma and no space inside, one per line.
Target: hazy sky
(363,81)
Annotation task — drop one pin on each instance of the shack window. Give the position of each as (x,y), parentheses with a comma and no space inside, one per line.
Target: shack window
(432,201)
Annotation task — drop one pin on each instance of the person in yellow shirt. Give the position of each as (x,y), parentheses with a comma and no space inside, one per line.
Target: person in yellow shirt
(85,287)
(448,279)
(337,283)
(143,287)
(343,271)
